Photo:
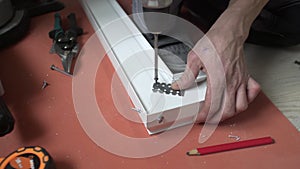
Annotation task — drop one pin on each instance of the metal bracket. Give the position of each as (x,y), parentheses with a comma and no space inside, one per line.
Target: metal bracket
(166,88)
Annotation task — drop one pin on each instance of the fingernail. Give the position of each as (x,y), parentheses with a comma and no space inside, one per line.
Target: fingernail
(175,86)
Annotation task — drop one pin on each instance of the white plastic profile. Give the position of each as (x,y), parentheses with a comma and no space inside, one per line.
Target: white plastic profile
(132,56)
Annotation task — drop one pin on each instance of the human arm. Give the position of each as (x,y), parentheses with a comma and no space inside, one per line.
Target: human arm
(220,54)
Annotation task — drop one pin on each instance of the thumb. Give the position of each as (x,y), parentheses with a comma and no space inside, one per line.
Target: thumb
(194,65)
(253,89)
(204,112)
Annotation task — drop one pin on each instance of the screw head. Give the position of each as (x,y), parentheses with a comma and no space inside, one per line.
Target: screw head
(52,67)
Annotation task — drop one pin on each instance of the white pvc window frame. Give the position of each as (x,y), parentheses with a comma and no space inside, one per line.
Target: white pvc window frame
(122,39)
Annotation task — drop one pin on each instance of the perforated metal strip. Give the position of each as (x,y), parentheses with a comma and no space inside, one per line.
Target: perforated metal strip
(166,88)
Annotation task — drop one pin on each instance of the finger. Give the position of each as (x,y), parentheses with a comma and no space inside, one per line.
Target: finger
(215,104)
(241,103)
(235,102)
(206,105)
(253,89)
(228,106)
(191,72)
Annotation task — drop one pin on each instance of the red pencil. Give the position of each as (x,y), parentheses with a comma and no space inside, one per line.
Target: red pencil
(231,146)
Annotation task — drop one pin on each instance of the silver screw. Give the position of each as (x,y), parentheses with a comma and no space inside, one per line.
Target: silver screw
(237,138)
(160,119)
(136,109)
(45,84)
(53,67)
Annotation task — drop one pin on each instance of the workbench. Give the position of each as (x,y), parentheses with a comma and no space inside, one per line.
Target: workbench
(48,117)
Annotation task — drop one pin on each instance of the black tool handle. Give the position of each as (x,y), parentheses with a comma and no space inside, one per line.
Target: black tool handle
(57,30)
(74,30)
(6,119)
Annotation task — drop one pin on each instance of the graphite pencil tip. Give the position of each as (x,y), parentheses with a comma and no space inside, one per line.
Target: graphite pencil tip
(193,153)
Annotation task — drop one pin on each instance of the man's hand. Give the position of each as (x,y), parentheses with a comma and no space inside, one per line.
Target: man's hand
(229,87)
(220,54)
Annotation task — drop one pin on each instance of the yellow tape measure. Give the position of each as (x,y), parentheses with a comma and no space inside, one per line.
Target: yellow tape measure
(28,158)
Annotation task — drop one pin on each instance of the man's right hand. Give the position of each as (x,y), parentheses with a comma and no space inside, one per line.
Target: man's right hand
(229,87)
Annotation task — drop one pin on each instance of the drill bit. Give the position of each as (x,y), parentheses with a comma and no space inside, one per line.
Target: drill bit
(161,87)
(156,57)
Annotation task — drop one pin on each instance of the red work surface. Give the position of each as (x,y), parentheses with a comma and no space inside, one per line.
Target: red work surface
(48,118)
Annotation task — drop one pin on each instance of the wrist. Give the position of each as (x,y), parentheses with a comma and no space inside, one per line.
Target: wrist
(232,26)
(235,22)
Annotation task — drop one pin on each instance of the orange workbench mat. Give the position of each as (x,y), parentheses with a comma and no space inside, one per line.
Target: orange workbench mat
(48,118)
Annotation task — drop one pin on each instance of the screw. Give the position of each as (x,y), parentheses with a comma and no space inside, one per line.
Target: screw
(136,109)
(53,67)
(237,138)
(45,84)
(160,119)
